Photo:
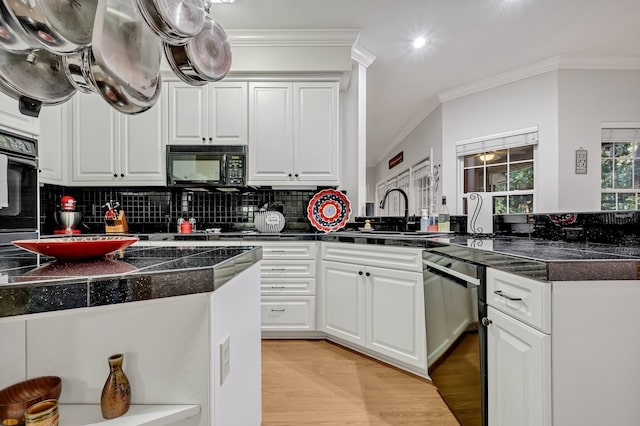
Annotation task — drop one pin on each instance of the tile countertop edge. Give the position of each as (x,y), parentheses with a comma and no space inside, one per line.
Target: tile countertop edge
(27,298)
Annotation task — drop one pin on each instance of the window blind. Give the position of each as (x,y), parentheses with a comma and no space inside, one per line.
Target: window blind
(475,146)
(620,135)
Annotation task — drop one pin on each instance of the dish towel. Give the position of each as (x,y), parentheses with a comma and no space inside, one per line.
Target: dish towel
(4,179)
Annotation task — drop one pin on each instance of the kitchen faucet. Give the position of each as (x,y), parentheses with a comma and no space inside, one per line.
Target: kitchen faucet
(406,205)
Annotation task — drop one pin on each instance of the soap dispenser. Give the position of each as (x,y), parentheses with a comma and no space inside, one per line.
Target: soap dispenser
(424,221)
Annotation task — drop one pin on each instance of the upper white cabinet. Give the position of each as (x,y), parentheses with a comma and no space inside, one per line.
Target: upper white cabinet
(294,134)
(113,148)
(215,113)
(12,119)
(52,144)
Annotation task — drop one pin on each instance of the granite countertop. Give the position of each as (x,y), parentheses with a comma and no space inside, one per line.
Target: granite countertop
(31,283)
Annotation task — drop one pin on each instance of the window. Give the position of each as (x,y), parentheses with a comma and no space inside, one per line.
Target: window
(504,167)
(414,182)
(620,169)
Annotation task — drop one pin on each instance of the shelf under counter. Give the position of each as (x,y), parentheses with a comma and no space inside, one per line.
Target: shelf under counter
(148,415)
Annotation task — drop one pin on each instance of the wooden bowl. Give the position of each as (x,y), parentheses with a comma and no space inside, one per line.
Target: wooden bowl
(15,399)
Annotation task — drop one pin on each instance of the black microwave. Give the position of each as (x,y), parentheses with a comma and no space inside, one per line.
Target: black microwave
(206,166)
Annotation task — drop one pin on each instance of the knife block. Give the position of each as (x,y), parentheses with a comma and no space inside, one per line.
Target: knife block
(119,225)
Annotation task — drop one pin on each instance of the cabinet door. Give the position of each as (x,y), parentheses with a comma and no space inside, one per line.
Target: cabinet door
(518,372)
(94,140)
(270,133)
(52,144)
(142,149)
(228,111)
(12,118)
(343,302)
(395,315)
(188,109)
(315,150)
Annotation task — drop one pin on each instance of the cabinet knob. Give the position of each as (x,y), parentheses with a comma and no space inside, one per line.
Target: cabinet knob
(204,139)
(296,175)
(39,170)
(360,272)
(368,274)
(486,321)
(115,175)
(210,139)
(290,175)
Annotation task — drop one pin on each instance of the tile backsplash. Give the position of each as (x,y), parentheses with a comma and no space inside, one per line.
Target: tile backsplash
(157,209)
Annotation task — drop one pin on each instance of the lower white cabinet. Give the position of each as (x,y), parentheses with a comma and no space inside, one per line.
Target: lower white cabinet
(288,289)
(519,372)
(380,310)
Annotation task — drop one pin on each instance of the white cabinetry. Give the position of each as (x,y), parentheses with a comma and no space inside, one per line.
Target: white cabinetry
(518,350)
(294,134)
(52,144)
(372,297)
(215,113)
(13,120)
(113,148)
(288,288)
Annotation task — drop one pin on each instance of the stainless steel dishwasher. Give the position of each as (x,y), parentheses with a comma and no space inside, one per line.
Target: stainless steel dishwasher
(455,298)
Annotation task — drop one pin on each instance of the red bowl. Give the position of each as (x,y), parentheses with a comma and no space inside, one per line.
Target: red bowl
(76,247)
(15,399)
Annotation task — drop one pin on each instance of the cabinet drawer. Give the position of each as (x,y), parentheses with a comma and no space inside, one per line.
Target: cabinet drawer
(288,313)
(408,259)
(522,298)
(289,251)
(287,268)
(288,286)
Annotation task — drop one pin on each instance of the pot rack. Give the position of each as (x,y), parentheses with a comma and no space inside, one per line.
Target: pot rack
(44,59)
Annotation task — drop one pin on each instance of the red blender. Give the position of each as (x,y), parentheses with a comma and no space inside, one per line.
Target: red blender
(67,218)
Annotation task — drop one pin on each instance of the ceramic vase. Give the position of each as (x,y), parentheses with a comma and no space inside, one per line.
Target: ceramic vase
(116,393)
(43,413)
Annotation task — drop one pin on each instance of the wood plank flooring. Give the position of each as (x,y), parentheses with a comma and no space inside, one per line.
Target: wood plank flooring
(314,382)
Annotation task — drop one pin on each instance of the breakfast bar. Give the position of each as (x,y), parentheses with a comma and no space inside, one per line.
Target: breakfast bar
(185,318)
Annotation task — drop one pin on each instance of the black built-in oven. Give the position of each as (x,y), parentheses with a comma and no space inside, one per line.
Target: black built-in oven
(19,188)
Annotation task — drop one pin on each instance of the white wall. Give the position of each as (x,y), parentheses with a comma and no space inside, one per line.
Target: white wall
(586,98)
(518,105)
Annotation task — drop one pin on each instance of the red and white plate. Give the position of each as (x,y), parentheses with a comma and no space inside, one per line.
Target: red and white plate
(329,210)
(76,247)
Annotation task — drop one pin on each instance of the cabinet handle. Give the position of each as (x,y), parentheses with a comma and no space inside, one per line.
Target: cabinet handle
(278,269)
(277,251)
(277,310)
(486,321)
(368,274)
(360,272)
(279,287)
(506,296)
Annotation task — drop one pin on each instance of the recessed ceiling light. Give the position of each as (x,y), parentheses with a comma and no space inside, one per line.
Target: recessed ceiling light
(419,42)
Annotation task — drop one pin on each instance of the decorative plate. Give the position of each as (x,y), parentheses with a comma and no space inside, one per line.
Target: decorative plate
(76,247)
(329,210)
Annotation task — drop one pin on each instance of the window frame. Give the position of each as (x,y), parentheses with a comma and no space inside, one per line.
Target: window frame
(612,133)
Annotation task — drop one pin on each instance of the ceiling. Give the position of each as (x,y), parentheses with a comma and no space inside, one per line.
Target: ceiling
(468,40)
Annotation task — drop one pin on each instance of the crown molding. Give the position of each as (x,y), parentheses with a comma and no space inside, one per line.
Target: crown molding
(293,37)
(552,64)
(362,55)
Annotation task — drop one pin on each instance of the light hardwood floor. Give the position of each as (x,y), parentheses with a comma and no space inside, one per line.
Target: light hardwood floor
(309,382)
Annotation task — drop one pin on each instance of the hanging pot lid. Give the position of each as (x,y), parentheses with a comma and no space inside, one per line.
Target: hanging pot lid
(12,37)
(210,52)
(61,26)
(125,48)
(38,75)
(175,22)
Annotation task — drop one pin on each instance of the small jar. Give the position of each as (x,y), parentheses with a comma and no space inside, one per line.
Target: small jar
(185,227)
(43,413)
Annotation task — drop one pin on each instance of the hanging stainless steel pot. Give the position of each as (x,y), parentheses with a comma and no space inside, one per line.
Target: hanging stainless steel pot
(174,21)
(60,26)
(126,50)
(12,37)
(206,57)
(89,77)
(36,78)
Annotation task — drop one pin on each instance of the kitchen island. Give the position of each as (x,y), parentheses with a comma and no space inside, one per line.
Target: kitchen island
(186,318)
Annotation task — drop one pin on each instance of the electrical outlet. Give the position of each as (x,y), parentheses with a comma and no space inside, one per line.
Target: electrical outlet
(225,359)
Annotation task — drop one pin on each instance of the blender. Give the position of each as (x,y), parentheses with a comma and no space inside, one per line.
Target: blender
(67,218)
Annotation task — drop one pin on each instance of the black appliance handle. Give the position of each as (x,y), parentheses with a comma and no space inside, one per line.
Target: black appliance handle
(223,169)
